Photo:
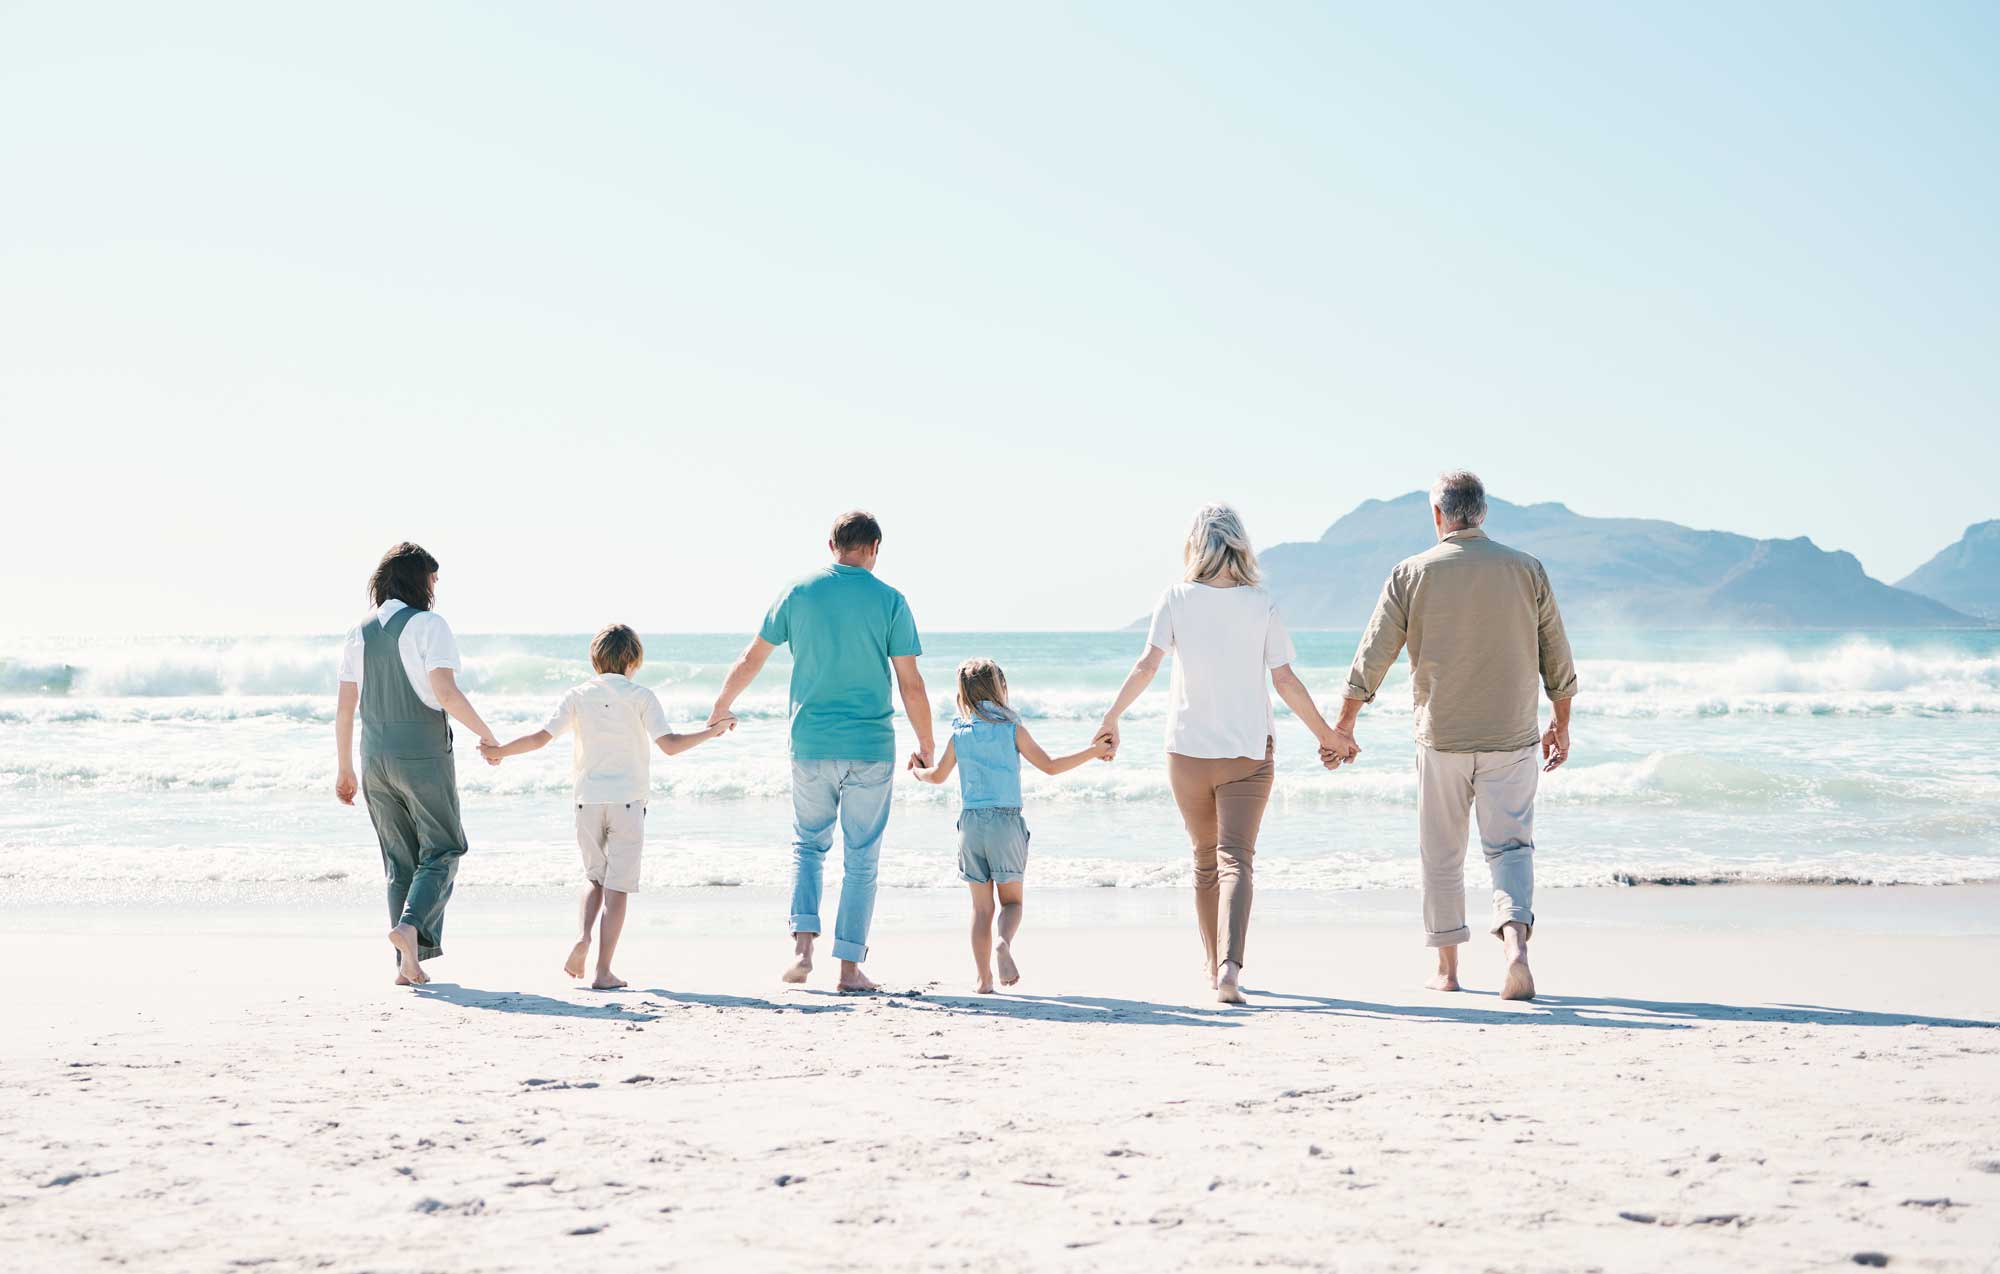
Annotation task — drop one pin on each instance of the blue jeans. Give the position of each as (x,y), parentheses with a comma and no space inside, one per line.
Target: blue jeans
(856,793)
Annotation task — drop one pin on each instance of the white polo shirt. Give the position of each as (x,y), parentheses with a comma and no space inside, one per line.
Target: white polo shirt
(426,643)
(616,721)
(1225,642)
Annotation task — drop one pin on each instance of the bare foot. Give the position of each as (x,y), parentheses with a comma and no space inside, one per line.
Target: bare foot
(1447,974)
(577,954)
(404,939)
(1520,984)
(1010,973)
(986,986)
(803,966)
(1444,982)
(606,981)
(852,979)
(1226,990)
(401,980)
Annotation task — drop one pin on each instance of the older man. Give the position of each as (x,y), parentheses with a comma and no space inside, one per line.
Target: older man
(1482,627)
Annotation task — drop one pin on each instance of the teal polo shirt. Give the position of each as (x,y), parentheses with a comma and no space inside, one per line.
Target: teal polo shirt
(844,626)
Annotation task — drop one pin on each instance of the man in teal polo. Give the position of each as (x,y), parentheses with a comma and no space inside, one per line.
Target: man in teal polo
(848,631)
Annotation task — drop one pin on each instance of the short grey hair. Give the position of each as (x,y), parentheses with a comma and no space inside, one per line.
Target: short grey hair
(1461,497)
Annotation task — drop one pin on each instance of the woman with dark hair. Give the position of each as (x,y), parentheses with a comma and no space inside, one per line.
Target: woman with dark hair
(399,667)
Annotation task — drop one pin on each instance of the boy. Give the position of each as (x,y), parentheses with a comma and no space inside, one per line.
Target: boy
(613,718)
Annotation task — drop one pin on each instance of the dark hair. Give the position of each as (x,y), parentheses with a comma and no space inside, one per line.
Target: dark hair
(616,649)
(856,530)
(404,573)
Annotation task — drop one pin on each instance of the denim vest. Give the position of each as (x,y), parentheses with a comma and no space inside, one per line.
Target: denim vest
(989,764)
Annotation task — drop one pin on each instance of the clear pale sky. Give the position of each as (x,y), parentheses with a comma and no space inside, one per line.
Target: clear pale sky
(614,306)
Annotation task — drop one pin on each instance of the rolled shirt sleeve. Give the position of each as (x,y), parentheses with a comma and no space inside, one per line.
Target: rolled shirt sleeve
(903,641)
(777,626)
(350,657)
(1558,667)
(563,719)
(1278,649)
(654,716)
(1160,632)
(1387,629)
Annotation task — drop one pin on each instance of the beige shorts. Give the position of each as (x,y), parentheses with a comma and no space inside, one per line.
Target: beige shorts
(611,836)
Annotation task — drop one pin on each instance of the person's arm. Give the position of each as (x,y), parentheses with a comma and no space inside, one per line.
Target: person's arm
(1100,749)
(1388,629)
(1135,685)
(1341,748)
(1558,676)
(1555,740)
(345,785)
(942,770)
(497,752)
(741,674)
(916,703)
(674,744)
(444,684)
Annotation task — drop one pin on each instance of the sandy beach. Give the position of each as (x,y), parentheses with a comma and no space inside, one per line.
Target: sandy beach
(228,1087)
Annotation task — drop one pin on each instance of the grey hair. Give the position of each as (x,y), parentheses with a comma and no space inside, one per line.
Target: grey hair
(1461,497)
(1217,545)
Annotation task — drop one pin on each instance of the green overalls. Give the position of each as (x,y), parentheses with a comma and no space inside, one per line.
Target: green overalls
(411,785)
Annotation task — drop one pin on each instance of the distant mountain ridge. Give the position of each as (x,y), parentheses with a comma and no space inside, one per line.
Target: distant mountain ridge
(1607,571)
(1966,575)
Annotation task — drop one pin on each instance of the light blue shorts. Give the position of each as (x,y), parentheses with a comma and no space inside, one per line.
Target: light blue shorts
(992,846)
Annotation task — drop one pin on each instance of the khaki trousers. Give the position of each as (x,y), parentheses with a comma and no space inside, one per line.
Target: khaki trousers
(1500,788)
(1222,803)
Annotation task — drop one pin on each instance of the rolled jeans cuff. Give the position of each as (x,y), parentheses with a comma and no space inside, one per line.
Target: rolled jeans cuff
(843,950)
(805,924)
(1515,916)
(1450,938)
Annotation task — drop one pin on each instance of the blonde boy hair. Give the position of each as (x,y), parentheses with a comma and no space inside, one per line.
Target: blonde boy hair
(980,681)
(616,649)
(1219,547)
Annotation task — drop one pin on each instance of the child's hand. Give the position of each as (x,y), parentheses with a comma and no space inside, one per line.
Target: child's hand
(491,751)
(1103,747)
(722,726)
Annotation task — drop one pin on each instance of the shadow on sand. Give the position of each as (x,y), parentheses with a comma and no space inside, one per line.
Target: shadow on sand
(527,1002)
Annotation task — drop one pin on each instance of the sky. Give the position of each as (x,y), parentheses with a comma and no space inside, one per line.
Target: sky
(614,307)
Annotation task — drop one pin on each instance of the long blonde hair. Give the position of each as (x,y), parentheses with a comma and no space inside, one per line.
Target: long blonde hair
(1218,545)
(980,682)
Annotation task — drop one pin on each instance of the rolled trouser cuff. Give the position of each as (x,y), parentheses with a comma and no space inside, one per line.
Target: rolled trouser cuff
(1450,938)
(806,924)
(844,950)
(1524,918)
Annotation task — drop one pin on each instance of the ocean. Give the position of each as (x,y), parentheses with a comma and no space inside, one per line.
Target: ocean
(164,768)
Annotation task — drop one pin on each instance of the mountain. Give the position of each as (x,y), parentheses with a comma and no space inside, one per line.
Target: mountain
(1609,571)
(1966,575)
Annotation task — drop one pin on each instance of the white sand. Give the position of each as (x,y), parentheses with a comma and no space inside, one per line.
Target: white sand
(210,1091)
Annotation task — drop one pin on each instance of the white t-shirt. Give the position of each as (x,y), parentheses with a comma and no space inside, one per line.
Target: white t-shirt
(426,643)
(1224,641)
(616,721)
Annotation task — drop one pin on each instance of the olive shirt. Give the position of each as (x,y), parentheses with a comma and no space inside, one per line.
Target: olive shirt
(1482,627)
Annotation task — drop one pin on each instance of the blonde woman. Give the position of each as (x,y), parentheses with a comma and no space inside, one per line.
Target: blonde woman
(1223,631)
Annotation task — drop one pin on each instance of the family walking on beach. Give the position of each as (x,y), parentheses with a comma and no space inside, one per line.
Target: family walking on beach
(1479,621)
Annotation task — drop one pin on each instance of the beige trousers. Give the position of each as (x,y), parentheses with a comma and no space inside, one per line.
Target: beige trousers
(1500,788)
(1222,803)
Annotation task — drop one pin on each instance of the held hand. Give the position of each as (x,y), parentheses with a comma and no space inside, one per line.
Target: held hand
(1102,748)
(719,715)
(489,751)
(344,787)
(719,728)
(1107,735)
(1338,749)
(1555,746)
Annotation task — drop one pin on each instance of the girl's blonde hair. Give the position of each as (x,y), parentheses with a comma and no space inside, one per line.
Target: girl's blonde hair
(1217,545)
(980,681)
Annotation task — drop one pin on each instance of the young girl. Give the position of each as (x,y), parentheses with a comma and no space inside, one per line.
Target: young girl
(987,744)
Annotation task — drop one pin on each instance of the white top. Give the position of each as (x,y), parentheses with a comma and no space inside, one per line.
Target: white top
(426,643)
(616,721)
(1224,642)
